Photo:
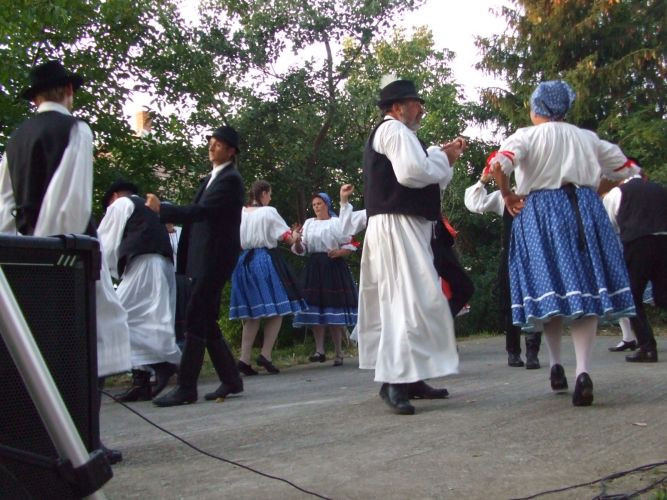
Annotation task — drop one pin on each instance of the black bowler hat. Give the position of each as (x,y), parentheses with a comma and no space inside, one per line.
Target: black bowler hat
(118,185)
(398,90)
(226,134)
(50,75)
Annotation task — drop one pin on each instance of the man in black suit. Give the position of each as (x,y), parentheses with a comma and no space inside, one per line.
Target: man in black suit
(207,253)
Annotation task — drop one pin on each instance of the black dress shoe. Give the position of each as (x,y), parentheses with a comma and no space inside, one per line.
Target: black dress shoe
(266,364)
(396,397)
(642,356)
(163,372)
(421,390)
(338,361)
(583,391)
(140,390)
(113,456)
(532,363)
(624,346)
(557,377)
(246,369)
(317,357)
(514,360)
(223,391)
(177,396)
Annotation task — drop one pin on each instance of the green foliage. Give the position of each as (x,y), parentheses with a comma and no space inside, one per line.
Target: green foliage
(299,80)
(612,52)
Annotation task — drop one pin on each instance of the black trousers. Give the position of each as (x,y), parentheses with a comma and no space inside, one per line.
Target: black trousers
(646,260)
(201,321)
(448,268)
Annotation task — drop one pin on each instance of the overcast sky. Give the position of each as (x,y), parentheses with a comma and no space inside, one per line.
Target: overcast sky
(454,24)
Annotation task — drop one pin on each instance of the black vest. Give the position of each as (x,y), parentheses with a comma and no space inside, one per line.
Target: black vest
(34,152)
(144,233)
(643,209)
(384,195)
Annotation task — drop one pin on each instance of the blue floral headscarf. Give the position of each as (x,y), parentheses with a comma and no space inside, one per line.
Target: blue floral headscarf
(552,99)
(327,200)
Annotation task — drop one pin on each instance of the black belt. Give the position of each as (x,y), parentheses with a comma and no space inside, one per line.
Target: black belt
(571,192)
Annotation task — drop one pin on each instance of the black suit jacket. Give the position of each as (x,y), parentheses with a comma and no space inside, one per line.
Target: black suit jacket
(210,241)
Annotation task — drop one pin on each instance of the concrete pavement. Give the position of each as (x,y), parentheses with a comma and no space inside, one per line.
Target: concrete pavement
(501,434)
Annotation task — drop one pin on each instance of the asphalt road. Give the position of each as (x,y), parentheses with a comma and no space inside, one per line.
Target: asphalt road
(501,434)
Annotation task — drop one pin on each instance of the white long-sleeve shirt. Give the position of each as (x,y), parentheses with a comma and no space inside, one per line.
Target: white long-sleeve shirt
(324,235)
(413,168)
(478,201)
(550,155)
(111,230)
(67,202)
(262,227)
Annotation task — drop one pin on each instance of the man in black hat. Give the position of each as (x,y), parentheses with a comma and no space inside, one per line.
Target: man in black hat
(410,337)
(46,185)
(138,252)
(209,246)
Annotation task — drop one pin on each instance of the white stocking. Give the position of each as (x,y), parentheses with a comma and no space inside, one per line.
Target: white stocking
(628,334)
(583,335)
(553,335)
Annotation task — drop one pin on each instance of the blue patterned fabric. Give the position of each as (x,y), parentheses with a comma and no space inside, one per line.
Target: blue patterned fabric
(257,290)
(552,99)
(550,276)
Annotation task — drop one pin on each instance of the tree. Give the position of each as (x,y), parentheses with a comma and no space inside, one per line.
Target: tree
(112,45)
(613,53)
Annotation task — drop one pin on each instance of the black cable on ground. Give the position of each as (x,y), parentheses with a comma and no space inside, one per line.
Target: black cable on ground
(232,462)
(610,477)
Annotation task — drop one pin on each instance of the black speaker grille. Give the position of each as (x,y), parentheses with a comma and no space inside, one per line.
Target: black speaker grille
(54,301)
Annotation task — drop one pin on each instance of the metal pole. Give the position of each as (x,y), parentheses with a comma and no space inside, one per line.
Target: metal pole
(38,381)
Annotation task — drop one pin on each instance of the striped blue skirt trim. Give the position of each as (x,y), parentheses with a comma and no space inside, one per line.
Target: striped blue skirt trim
(560,267)
(258,290)
(330,293)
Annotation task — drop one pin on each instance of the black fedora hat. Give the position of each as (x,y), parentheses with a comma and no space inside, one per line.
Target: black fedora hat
(118,185)
(398,90)
(49,75)
(226,134)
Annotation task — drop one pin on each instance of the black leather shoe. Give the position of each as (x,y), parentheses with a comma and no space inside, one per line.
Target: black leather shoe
(177,396)
(113,456)
(624,346)
(396,397)
(532,363)
(317,357)
(163,372)
(421,390)
(642,356)
(558,379)
(266,364)
(246,369)
(514,360)
(338,361)
(583,391)
(223,391)
(140,390)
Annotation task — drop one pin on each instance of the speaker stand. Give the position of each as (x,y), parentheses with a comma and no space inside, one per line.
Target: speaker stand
(90,472)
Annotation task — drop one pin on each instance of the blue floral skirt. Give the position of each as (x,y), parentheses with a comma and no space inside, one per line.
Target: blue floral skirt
(330,293)
(566,260)
(263,286)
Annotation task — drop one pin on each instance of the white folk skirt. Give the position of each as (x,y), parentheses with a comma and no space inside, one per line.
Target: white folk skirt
(405,328)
